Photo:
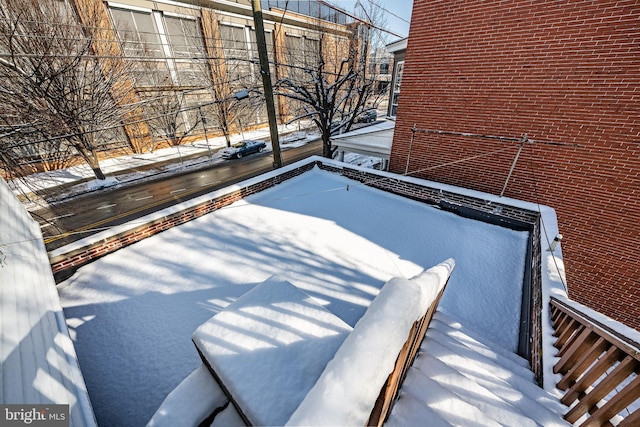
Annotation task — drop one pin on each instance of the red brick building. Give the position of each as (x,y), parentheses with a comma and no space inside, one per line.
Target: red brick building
(566,74)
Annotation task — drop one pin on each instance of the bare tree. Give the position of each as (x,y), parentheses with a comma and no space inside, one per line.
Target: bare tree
(332,89)
(166,116)
(230,71)
(55,88)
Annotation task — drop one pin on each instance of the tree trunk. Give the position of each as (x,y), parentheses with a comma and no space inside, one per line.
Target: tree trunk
(98,172)
(326,146)
(92,160)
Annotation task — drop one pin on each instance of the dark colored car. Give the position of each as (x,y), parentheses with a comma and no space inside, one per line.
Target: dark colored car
(236,151)
(367,116)
(337,127)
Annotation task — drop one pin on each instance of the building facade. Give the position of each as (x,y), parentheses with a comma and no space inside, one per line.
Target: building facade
(537,101)
(180,64)
(203,54)
(398,49)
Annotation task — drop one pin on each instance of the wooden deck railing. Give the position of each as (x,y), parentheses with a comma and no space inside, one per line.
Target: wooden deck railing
(391,388)
(601,370)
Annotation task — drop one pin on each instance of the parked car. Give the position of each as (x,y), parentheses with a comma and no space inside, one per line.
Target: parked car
(236,151)
(367,116)
(337,127)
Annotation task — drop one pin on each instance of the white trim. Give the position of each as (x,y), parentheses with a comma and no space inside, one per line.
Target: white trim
(248,18)
(231,3)
(164,41)
(397,46)
(231,24)
(129,7)
(178,4)
(179,15)
(393,88)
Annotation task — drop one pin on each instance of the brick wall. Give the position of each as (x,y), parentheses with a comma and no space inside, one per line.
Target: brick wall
(566,72)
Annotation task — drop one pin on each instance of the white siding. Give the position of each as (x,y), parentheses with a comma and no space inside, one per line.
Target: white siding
(38,363)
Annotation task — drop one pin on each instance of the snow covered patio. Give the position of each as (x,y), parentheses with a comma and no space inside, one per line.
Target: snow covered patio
(132,313)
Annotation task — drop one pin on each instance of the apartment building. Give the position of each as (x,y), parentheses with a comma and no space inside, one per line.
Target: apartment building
(185,61)
(207,54)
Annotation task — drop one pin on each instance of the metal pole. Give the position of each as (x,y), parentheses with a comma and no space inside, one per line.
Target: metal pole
(413,134)
(204,127)
(513,165)
(266,82)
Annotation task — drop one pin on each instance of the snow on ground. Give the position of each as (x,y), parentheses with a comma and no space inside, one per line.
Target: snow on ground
(132,313)
(148,165)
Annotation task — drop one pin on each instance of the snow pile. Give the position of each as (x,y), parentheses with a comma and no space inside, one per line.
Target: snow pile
(180,407)
(460,378)
(349,386)
(273,338)
(98,184)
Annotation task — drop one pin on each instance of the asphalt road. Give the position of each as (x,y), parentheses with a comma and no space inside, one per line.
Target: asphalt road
(81,216)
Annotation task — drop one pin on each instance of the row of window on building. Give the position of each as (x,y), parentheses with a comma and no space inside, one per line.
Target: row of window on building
(170,51)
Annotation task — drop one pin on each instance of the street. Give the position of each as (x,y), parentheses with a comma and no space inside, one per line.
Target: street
(81,216)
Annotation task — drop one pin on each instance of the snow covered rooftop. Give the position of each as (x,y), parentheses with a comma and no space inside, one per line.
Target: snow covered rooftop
(132,312)
(372,140)
(461,378)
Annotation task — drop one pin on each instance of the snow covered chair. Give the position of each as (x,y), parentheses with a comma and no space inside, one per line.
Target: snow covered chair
(283,359)
(268,348)
(361,382)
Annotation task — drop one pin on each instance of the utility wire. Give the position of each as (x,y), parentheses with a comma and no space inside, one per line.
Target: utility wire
(388,11)
(466,159)
(496,137)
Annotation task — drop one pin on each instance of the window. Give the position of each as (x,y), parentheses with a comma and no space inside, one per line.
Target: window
(243,65)
(395,95)
(234,46)
(294,49)
(254,52)
(139,38)
(137,32)
(311,52)
(184,37)
(302,51)
(185,43)
(260,113)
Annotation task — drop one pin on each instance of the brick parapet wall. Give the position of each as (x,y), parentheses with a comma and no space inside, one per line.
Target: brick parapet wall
(559,71)
(535,335)
(64,264)
(433,195)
